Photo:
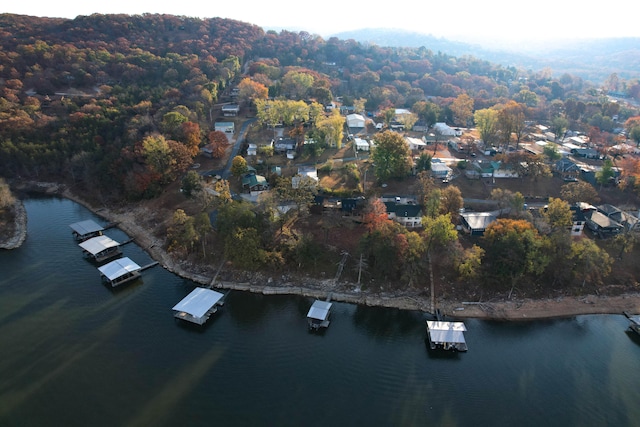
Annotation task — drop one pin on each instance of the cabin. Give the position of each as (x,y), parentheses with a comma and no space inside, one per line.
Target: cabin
(198,306)
(361,144)
(119,272)
(318,315)
(446,335)
(84,230)
(100,248)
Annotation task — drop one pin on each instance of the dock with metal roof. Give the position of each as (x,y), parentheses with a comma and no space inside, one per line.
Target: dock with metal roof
(198,306)
(446,335)
(120,271)
(318,315)
(87,229)
(101,248)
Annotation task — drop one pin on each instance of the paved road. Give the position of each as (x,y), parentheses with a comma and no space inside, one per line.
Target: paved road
(226,172)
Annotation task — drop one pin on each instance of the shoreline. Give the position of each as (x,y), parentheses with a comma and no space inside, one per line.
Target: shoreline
(20,233)
(515,310)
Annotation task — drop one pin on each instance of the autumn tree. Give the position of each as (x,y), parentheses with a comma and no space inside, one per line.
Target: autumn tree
(559,126)
(219,143)
(250,90)
(391,156)
(451,201)
(462,108)
(557,214)
(514,249)
(239,166)
(191,184)
(296,84)
(469,262)
(581,191)
(202,226)
(191,136)
(604,175)
(427,112)
(375,214)
(181,234)
(330,129)
(487,124)
(591,263)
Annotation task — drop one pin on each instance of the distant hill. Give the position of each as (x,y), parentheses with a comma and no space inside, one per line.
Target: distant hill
(593,60)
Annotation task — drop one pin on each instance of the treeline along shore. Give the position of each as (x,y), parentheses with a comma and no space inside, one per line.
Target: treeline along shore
(511,310)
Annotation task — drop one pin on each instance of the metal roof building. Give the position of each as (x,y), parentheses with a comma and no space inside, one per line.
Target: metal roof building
(446,335)
(84,230)
(198,305)
(120,271)
(101,248)
(318,316)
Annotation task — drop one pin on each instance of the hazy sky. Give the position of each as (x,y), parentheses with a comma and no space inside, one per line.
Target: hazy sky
(468,20)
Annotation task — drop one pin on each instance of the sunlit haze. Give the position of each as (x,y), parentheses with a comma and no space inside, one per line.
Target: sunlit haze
(466,20)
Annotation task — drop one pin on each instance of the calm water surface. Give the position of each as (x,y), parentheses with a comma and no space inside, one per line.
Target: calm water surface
(75,353)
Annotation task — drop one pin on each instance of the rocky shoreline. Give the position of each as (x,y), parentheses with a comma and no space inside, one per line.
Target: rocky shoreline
(348,292)
(20,230)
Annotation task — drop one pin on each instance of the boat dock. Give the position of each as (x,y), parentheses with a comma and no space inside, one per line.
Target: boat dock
(120,271)
(318,315)
(87,229)
(446,335)
(100,248)
(198,306)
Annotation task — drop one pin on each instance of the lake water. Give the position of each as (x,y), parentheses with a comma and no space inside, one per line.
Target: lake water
(76,353)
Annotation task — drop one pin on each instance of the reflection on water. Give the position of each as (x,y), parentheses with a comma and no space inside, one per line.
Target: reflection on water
(76,352)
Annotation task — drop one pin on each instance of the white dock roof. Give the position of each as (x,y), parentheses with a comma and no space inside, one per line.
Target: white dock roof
(98,244)
(86,227)
(118,268)
(446,332)
(319,310)
(198,302)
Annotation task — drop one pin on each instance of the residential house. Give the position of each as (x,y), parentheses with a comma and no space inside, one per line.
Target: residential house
(254,184)
(226,127)
(283,145)
(475,223)
(415,143)
(567,169)
(361,144)
(305,173)
(409,215)
(587,153)
(355,122)
(420,127)
(601,224)
(578,220)
(444,129)
(627,220)
(230,110)
(207,151)
(439,170)
(252,150)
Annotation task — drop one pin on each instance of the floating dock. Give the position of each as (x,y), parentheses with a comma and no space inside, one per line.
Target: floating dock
(446,335)
(120,271)
(101,248)
(319,313)
(198,306)
(87,229)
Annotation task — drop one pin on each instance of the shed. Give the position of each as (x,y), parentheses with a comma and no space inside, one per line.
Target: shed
(198,306)
(101,248)
(355,121)
(440,170)
(84,230)
(415,143)
(119,271)
(318,315)
(226,127)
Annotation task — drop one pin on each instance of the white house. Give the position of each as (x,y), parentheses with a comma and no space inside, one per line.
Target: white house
(252,150)
(361,144)
(444,129)
(355,121)
(226,127)
(415,143)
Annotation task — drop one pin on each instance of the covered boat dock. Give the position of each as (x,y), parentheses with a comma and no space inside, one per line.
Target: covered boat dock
(84,230)
(120,271)
(446,335)
(318,316)
(198,306)
(101,248)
